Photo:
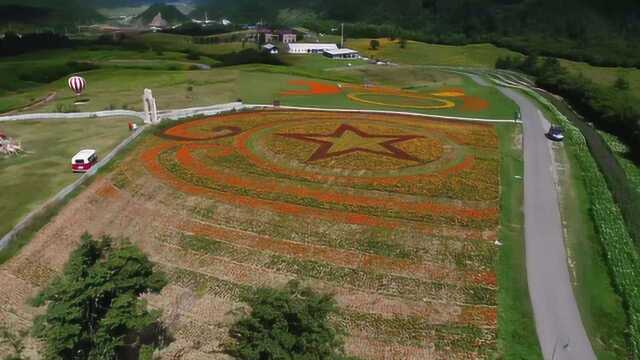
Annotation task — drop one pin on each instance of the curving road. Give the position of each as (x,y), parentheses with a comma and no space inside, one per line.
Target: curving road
(560,330)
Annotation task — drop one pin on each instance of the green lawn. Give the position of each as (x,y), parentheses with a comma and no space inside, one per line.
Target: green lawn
(263,88)
(418,53)
(517,338)
(115,87)
(29,180)
(606,75)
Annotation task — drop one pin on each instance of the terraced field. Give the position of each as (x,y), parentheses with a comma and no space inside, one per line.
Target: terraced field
(394,215)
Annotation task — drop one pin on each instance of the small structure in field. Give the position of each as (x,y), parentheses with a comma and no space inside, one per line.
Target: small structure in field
(341,54)
(9,146)
(271,49)
(310,48)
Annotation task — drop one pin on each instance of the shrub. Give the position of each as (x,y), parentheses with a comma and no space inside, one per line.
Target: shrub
(193,55)
(292,323)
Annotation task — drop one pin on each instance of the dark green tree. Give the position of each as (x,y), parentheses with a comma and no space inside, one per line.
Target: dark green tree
(621,84)
(374,44)
(94,309)
(288,324)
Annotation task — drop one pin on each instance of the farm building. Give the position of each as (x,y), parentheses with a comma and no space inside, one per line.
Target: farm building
(271,49)
(269,36)
(310,48)
(288,36)
(341,54)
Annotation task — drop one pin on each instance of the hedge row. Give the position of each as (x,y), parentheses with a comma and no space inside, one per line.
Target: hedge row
(622,258)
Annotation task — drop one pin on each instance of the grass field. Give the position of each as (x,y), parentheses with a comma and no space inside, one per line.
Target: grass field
(403,233)
(418,53)
(605,75)
(517,339)
(118,85)
(30,179)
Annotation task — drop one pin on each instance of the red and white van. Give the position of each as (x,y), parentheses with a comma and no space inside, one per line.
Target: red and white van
(84,160)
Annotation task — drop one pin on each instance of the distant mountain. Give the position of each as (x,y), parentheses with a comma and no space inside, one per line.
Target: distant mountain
(169,13)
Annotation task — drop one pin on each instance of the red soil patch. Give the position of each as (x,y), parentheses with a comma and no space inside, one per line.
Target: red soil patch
(472,103)
(313,88)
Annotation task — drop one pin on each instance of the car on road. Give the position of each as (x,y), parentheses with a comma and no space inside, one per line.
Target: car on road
(556,133)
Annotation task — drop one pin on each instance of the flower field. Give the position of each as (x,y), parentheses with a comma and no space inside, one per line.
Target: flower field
(394,215)
(390,97)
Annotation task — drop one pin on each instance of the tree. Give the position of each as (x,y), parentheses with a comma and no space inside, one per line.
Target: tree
(530,64)
(403,43)
(93,308)
(621,84)
(292,323)
(374,44)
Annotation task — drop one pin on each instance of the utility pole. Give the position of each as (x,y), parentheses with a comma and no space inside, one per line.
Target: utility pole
(342,37)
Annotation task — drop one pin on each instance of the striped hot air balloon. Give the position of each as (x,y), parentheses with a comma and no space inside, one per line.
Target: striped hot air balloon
(77,84)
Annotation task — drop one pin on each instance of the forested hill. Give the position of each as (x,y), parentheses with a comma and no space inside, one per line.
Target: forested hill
(604,32)
(46,12)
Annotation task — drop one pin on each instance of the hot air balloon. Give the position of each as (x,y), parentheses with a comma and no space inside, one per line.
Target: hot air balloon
(77,84)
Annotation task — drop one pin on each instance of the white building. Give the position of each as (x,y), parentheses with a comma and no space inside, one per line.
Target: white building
(310,48)
(341,54)
(271,49)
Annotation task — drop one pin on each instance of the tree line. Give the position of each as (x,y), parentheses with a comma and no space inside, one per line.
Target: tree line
(597,31)
(14,44)
(614,108)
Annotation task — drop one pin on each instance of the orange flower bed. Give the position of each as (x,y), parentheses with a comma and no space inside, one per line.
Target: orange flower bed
(295,197)
(151,162)
(472,103)
(312,88)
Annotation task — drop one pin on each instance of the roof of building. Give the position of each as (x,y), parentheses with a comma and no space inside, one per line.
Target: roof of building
(321,46)
(341,52)
(83,154)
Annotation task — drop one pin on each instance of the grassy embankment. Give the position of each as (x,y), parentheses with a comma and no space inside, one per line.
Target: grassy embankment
(27,181)
(517,337)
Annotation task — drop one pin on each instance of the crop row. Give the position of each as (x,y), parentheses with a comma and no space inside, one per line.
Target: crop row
(382,283)
(477,218)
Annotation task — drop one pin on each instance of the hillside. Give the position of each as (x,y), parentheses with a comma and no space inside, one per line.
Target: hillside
(46,12)
(601,32)
(169,13)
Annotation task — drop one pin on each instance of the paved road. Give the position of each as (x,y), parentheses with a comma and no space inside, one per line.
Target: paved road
(558,323)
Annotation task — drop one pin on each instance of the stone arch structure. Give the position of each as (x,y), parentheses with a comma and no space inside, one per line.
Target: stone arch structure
(150,108)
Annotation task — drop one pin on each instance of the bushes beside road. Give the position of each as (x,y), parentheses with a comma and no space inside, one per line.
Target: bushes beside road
(621,254)
(612,108)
